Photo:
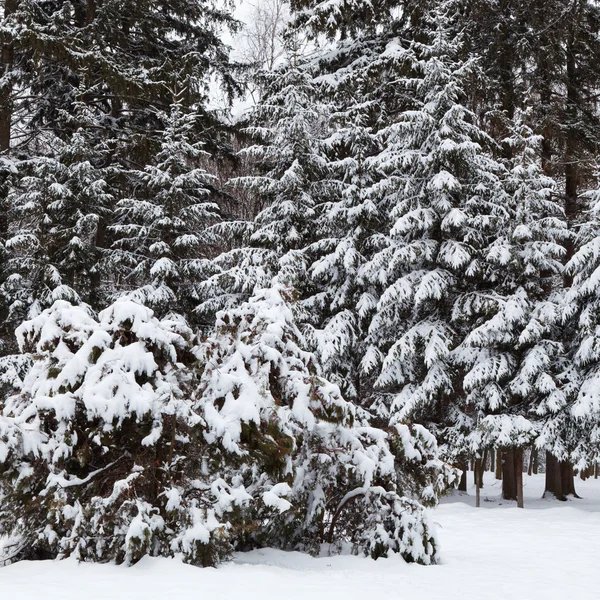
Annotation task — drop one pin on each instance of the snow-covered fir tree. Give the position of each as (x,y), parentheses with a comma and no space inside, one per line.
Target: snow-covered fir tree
(55,204)
(288,125)
(356,79)
(127,439)
(446,204)
(102,455)
(337,306)
(320,473)
(96,78)
(570,425)
(158,249)
(511,354)
(458,318)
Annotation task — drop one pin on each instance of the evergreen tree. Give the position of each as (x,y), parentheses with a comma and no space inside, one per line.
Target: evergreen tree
(55,205)
(113,449)
(570,424)
(307,453)
(358,76)
(446,205)
(95,74)
(512,352)
(159,250)
(338,304)
(101,449)
(288,126)
(469,249)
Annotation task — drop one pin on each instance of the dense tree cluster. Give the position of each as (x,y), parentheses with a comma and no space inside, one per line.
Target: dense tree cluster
(288,330)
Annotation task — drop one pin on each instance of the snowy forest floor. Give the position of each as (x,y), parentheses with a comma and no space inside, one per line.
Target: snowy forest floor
(548,550)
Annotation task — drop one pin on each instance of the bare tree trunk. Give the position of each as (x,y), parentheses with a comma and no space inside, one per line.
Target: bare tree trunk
(481,470)
(596,470)
(509,478)
(586,473)
(499,465)
(478,475)
(518,456)
(96,292)
(492,460)
(568,479)
(532,460)
(463,466)
(553,477)
(560,479)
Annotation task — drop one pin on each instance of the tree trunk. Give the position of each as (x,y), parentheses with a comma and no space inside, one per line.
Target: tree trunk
(518,456)
(97,294)
(478,476)
(536,462)
(509,478)
(553,477)
(568,479)
(560,480)
(462,486)
(596,470)
(532,461)
(571,162)
(481,470)
(492,460)
(499,465)
(6,89)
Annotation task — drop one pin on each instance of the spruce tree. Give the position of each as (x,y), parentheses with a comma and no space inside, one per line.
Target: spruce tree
(338,303)
(569,429)
(98,78)
(127,438)
(158,249)
(272,416)
(288,127)
(55,205)
(107,463)
(464,264)
(513,350)
(446,205)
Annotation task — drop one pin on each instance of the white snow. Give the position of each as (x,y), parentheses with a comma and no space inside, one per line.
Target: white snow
(547,551)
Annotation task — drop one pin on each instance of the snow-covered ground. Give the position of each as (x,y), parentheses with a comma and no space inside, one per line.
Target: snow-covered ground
(549,550)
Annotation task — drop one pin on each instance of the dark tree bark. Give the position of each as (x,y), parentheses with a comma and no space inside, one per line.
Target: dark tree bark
(509,478)
(97,294)
(518,457)
(478,477)
(462,486)
(560,480)
(492,460)
(499,465)
(570,158)
(481,471)
(532,467)
(587,473)
(553,477)
(568,479)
